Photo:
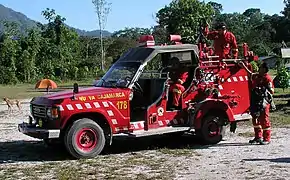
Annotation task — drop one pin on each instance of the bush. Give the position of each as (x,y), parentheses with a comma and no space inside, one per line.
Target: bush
(283,77)
(255,66)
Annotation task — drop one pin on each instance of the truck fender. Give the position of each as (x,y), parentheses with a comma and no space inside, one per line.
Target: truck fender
(99,113)
(209,106)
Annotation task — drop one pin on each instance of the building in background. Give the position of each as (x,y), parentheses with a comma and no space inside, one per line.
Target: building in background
(270,60)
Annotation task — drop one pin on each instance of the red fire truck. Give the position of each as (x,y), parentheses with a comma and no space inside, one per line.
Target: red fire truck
(133,99)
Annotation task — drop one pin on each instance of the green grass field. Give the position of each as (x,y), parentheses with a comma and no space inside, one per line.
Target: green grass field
(23,91)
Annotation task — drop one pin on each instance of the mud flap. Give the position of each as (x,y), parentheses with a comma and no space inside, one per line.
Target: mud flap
(233,127)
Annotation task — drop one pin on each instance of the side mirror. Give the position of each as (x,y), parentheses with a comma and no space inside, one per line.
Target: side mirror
(76,88)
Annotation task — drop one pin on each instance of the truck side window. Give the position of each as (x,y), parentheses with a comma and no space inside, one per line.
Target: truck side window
(151,69)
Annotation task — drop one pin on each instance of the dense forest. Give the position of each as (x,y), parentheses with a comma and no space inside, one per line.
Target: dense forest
(53,50)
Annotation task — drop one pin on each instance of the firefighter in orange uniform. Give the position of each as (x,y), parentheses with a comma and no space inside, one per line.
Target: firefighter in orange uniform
(178,76)
(261,103)
(224,41)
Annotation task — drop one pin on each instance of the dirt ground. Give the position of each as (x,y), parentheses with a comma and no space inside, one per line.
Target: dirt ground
(22,157)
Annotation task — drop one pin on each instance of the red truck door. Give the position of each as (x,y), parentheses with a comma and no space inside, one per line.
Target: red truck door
(156,113)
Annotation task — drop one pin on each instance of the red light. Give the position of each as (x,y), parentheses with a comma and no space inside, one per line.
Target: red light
(176,39)
(146,40)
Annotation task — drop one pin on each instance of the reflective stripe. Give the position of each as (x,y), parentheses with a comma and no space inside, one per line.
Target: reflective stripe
(258,127)
(180,81)
(267,129)
(177,91)
(270,84)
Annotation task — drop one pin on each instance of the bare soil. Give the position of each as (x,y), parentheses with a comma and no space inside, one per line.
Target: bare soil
(166,157)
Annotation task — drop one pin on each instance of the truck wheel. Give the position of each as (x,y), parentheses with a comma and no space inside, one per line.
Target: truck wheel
(212,130)
(84,139)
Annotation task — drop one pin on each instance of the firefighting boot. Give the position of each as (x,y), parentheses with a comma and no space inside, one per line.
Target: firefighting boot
(233,127)
(264,142)
(266,136)
(256,140)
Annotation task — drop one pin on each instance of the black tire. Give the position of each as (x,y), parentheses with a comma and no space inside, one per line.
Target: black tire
(78,133)
(212,130)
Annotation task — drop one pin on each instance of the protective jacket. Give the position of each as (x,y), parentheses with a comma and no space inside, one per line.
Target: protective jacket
(223,43)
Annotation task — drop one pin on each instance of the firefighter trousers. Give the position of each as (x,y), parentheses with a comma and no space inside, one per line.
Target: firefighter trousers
(262,125)
(177,90)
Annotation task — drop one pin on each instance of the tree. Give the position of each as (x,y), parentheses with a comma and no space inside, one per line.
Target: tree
(218,8)
(252,11)
(120,45)
(183,16)
(8,53)
(132,33)
(102,9)
(286,11)
(283,77)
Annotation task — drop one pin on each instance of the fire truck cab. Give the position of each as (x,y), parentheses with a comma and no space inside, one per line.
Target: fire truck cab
(133,99)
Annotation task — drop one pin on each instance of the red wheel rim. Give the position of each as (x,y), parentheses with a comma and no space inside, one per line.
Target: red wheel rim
(213,129)
(86,139)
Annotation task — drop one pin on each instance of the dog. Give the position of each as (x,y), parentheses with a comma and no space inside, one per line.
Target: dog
(10,103)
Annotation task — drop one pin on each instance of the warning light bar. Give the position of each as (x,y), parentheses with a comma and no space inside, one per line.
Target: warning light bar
(176,39)
(146,40)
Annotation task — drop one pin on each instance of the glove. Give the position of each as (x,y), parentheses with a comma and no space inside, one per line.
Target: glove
(235,53)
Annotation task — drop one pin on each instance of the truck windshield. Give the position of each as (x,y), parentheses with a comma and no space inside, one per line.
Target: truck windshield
(119,75)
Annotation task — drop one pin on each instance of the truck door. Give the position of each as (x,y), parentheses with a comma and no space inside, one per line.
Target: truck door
(156,113)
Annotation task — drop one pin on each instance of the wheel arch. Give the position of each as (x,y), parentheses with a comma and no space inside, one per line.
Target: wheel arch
(210,107)
(97,117)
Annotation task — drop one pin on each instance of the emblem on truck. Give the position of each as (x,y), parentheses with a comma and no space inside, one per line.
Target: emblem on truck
(37,110)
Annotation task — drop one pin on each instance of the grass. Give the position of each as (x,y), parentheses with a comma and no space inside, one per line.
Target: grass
(272,72)
(280,91)
(179,152)
(23,91)
(280,117)
(249,134)
(141,165)
(128,166)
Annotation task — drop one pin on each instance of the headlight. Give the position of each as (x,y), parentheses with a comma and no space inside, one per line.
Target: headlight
(52,112)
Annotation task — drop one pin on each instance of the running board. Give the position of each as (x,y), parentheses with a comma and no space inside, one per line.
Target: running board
(152,132)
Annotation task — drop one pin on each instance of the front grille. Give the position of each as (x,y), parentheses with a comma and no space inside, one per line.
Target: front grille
(38,111)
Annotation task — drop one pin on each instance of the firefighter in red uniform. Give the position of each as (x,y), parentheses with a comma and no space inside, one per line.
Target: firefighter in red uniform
(224,41)
(178,75)
(260,105)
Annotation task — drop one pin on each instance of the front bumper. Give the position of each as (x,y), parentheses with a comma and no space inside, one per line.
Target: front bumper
(36,132)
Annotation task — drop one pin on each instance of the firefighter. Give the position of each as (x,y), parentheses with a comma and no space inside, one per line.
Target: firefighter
(224,41)
(178,75)
(260,106)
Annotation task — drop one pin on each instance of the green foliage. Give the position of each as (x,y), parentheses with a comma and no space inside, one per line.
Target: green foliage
(218,8)
(283,77)
(255,66)
(53,50)
(183,16)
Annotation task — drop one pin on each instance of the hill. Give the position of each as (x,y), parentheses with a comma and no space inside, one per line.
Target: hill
(8,14)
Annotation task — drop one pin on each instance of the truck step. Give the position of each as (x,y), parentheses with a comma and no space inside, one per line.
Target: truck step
(158,131)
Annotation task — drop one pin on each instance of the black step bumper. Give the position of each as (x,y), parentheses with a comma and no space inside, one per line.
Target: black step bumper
(37,132)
